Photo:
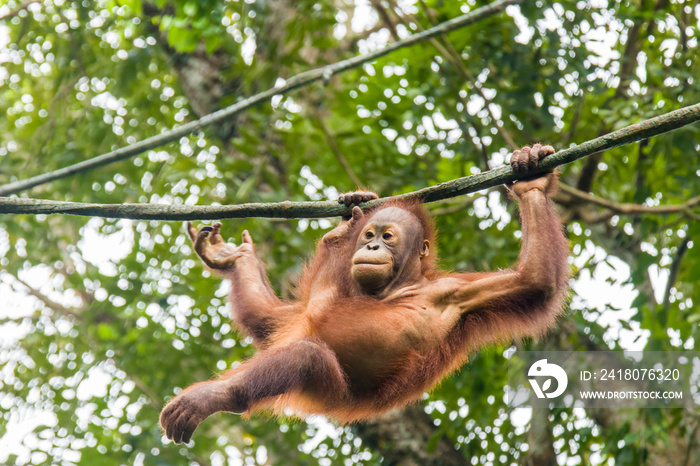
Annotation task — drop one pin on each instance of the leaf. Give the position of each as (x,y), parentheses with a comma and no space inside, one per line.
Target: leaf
(106,332)
(545,386)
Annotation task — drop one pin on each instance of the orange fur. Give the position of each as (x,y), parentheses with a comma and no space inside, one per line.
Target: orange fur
(405,380)
(338,351)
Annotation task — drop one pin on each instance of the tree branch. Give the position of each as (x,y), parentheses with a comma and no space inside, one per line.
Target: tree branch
(632,209)
(405,438)
(153,398)
(628,61)
(330,140)
(455,207)
(448,51)
(295,82)
(469,184)
(12,13)
(673,273)
(540,440)
(377,5)
(53,305)
(691,443)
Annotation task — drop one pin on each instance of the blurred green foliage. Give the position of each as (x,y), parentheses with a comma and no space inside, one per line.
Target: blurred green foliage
(119,314)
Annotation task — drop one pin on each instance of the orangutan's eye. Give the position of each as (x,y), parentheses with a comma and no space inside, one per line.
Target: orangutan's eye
(369,235)
(387,236)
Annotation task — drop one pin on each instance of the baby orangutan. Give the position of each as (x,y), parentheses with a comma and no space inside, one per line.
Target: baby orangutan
(374,324)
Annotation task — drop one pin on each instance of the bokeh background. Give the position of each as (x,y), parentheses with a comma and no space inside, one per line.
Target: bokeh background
(101,321)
